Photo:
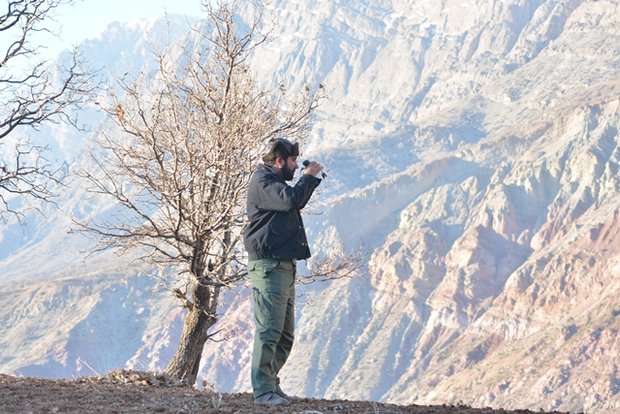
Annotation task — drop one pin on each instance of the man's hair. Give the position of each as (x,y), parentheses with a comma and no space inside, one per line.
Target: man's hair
(280,147)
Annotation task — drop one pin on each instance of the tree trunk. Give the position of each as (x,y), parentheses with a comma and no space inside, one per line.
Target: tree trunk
(186,361)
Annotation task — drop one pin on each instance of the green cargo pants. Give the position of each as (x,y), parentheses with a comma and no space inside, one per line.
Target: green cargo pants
(274,316)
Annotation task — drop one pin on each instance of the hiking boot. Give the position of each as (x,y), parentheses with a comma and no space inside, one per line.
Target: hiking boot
(271,398)
(286,397)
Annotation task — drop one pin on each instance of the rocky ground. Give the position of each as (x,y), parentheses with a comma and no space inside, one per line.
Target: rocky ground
(134,392)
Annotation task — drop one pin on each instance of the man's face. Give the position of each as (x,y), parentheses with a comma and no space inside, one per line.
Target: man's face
(288,168)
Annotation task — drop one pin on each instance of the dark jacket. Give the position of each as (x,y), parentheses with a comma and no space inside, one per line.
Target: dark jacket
(276,230)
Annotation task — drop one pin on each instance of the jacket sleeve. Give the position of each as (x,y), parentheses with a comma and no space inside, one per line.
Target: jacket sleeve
(279,196)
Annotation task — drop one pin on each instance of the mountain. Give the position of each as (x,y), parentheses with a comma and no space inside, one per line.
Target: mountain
(471,151)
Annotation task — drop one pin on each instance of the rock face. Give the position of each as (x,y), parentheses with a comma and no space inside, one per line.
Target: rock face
(473,152)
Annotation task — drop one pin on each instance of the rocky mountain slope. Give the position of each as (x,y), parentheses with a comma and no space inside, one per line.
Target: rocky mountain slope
(472,151)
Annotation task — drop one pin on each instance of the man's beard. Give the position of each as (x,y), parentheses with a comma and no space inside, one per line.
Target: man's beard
(287,173)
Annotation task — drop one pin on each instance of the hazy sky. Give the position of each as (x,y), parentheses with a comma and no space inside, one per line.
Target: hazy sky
(87,18)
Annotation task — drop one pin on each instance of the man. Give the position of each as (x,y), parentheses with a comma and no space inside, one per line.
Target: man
(274,239)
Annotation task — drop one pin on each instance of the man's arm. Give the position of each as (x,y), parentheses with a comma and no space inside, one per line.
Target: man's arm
(278,196)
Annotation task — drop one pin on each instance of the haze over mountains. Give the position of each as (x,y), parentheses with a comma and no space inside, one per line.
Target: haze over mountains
(472,150)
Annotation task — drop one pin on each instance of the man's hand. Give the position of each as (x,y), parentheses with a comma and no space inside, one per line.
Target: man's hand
(313,168)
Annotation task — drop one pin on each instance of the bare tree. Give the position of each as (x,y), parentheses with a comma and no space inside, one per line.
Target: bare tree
(31,95)
(179,164)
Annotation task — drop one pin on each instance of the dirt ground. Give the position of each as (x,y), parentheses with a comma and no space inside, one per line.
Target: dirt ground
(135,392)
